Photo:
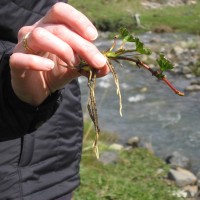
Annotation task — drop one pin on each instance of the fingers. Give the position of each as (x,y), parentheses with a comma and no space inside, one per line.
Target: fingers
(62,13)
(82,47)
(41,40)
(65,43)
(23,31)
(20,61)
(65,32)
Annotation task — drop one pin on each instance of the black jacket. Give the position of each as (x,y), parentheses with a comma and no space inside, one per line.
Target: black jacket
(40,147)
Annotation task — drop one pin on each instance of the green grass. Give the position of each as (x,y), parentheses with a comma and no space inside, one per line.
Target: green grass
(134,177)
(110,15)
(180,19)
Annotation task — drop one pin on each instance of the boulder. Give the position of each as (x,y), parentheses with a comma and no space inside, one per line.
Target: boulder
(176,159)
(182,177)
(133,141)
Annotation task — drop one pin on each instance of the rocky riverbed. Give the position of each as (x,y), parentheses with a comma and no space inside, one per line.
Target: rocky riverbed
(182,50)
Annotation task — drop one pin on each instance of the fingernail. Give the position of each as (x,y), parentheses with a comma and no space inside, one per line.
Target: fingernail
(49,64)
(75,60)
(99,60)
(91,33)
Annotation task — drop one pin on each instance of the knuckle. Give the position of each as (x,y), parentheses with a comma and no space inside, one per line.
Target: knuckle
(22,31)
(37,33)
(60,8)
(32,62)
(66,51)
(59,30)
(56,8)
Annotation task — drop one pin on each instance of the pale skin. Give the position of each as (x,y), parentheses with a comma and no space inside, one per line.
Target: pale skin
(67,35)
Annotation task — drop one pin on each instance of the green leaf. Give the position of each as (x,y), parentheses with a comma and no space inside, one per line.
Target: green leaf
(126,35)
(140,47)
(164,63)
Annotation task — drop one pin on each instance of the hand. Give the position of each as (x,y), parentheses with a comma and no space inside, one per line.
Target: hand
(60,38)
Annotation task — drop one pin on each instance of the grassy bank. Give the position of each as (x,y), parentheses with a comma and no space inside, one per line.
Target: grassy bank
(137,175)
(112,14)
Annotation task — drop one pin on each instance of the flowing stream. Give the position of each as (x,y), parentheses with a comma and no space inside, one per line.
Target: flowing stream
(150,109)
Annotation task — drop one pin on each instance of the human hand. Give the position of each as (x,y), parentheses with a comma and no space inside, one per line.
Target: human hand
(59,38)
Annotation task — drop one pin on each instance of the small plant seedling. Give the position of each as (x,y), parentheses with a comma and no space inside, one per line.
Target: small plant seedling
(122,54)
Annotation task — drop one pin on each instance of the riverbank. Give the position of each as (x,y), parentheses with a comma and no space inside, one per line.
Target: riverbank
(181,49)
(133,172)
(123,174)
(168,16)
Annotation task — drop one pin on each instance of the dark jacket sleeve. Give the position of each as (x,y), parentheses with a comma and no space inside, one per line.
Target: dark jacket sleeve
(16,117)
(17,13)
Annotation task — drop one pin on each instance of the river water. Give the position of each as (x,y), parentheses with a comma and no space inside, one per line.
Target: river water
(150,109)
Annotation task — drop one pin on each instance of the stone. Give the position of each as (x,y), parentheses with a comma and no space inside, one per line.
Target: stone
(182,177)
(133,141)
(191,190)
(177,50)
(176,159)
(198,174)
(109,157)
(116,146)
(186,70)
(180,194)
(189,76)
(192,88)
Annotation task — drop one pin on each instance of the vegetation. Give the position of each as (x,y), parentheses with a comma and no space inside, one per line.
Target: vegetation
(122,53)
(113,14)
(137,175)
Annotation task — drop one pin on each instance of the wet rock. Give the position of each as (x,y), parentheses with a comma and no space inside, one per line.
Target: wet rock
(133,141)
(176,159)
(177,50)
(189,76)
(192,88)
(182,177)
(186,70)
(109,157)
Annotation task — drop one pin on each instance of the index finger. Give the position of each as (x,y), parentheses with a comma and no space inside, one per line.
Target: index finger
(63,13)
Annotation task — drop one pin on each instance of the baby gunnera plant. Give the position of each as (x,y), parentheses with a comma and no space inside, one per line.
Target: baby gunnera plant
(115,55)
